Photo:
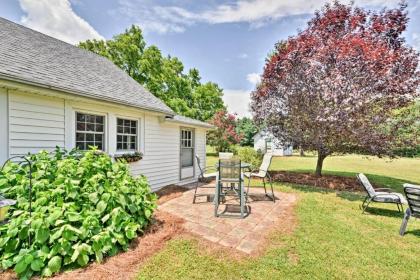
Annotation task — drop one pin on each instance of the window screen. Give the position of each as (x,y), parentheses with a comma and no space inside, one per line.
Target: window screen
(126,134)
(90,131)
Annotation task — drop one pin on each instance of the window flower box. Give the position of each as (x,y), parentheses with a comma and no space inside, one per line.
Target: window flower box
(129,157)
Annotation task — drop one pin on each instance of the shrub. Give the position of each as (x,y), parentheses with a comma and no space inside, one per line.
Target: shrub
(249,155)
(83,208)
(408,152)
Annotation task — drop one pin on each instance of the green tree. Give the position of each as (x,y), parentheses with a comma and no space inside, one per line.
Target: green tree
(247,128)
(408,120)
(207,100)
(163,76)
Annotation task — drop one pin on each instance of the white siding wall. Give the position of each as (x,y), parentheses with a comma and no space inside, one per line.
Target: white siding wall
(38,122)
(35,123)
(4,133)
(160,163)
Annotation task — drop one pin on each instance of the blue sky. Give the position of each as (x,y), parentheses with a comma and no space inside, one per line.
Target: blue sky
(226,40)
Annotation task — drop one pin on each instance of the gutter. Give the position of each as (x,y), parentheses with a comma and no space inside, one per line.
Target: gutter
(83,94)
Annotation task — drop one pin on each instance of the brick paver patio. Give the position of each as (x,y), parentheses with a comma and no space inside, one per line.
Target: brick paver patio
(246,234)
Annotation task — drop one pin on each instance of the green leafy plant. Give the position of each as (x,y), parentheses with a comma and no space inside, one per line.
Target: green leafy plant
(249,155)
(84,207)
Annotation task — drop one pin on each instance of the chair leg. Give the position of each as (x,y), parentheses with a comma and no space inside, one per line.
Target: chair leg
(405,221)
(399,206)
(247,188)
(195,192)
(216,200)
(272,190)
(265,189)
(364,201)
(242,200)
(364,209)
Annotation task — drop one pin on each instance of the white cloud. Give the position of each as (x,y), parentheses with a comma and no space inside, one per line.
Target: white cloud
(237,101)
(154,18)
(255,12)
(243,55)
(253,78)
(260,11)
(57,19)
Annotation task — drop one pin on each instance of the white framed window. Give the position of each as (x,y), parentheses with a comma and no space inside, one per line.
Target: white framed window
(90,131)
(127,134)
(187,147)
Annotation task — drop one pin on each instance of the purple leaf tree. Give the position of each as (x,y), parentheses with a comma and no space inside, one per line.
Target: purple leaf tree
(335,86)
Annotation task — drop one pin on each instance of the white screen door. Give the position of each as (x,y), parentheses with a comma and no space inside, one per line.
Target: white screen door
(187,153)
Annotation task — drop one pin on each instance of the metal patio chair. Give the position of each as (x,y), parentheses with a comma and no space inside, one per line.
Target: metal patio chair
(230,175)
(381,195)
(203,177)
(412,193)
(262,173)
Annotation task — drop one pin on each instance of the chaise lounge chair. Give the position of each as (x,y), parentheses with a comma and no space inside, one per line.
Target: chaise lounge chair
(381,195)
(412,192)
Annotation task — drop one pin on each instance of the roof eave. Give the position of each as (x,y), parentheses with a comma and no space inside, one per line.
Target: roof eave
(82,94)
(202,125)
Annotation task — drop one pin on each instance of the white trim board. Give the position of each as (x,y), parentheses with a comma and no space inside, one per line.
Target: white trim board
(4,127)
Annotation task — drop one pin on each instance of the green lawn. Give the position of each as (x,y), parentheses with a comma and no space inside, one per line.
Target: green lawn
(333,240)
(386,172)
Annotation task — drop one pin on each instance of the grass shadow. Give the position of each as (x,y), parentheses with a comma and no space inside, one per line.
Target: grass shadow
(415,232)
(375,210)
(258,197)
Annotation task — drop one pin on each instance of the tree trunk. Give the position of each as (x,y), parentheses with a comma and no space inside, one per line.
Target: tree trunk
(302,152)
(319,163)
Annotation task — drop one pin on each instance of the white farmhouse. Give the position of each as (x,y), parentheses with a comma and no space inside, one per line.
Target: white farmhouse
(55,94)
(266,142)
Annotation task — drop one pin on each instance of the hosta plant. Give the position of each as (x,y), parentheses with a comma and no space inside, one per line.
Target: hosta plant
(84,207)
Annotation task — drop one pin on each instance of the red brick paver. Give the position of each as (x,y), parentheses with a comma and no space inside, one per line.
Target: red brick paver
(243,234)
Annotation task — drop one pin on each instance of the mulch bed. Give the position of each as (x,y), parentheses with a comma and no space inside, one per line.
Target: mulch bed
(326,181)
(170,192)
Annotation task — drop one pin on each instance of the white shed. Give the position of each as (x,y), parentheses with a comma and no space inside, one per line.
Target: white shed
(266,142)
(55,94)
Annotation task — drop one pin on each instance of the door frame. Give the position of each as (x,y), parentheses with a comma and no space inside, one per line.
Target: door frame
(183,128)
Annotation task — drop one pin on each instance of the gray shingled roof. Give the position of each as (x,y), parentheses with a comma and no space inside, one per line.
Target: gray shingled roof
(32,57)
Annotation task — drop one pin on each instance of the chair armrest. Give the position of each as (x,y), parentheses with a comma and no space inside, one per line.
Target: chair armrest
(251,171)
(384,190)
(256,170)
